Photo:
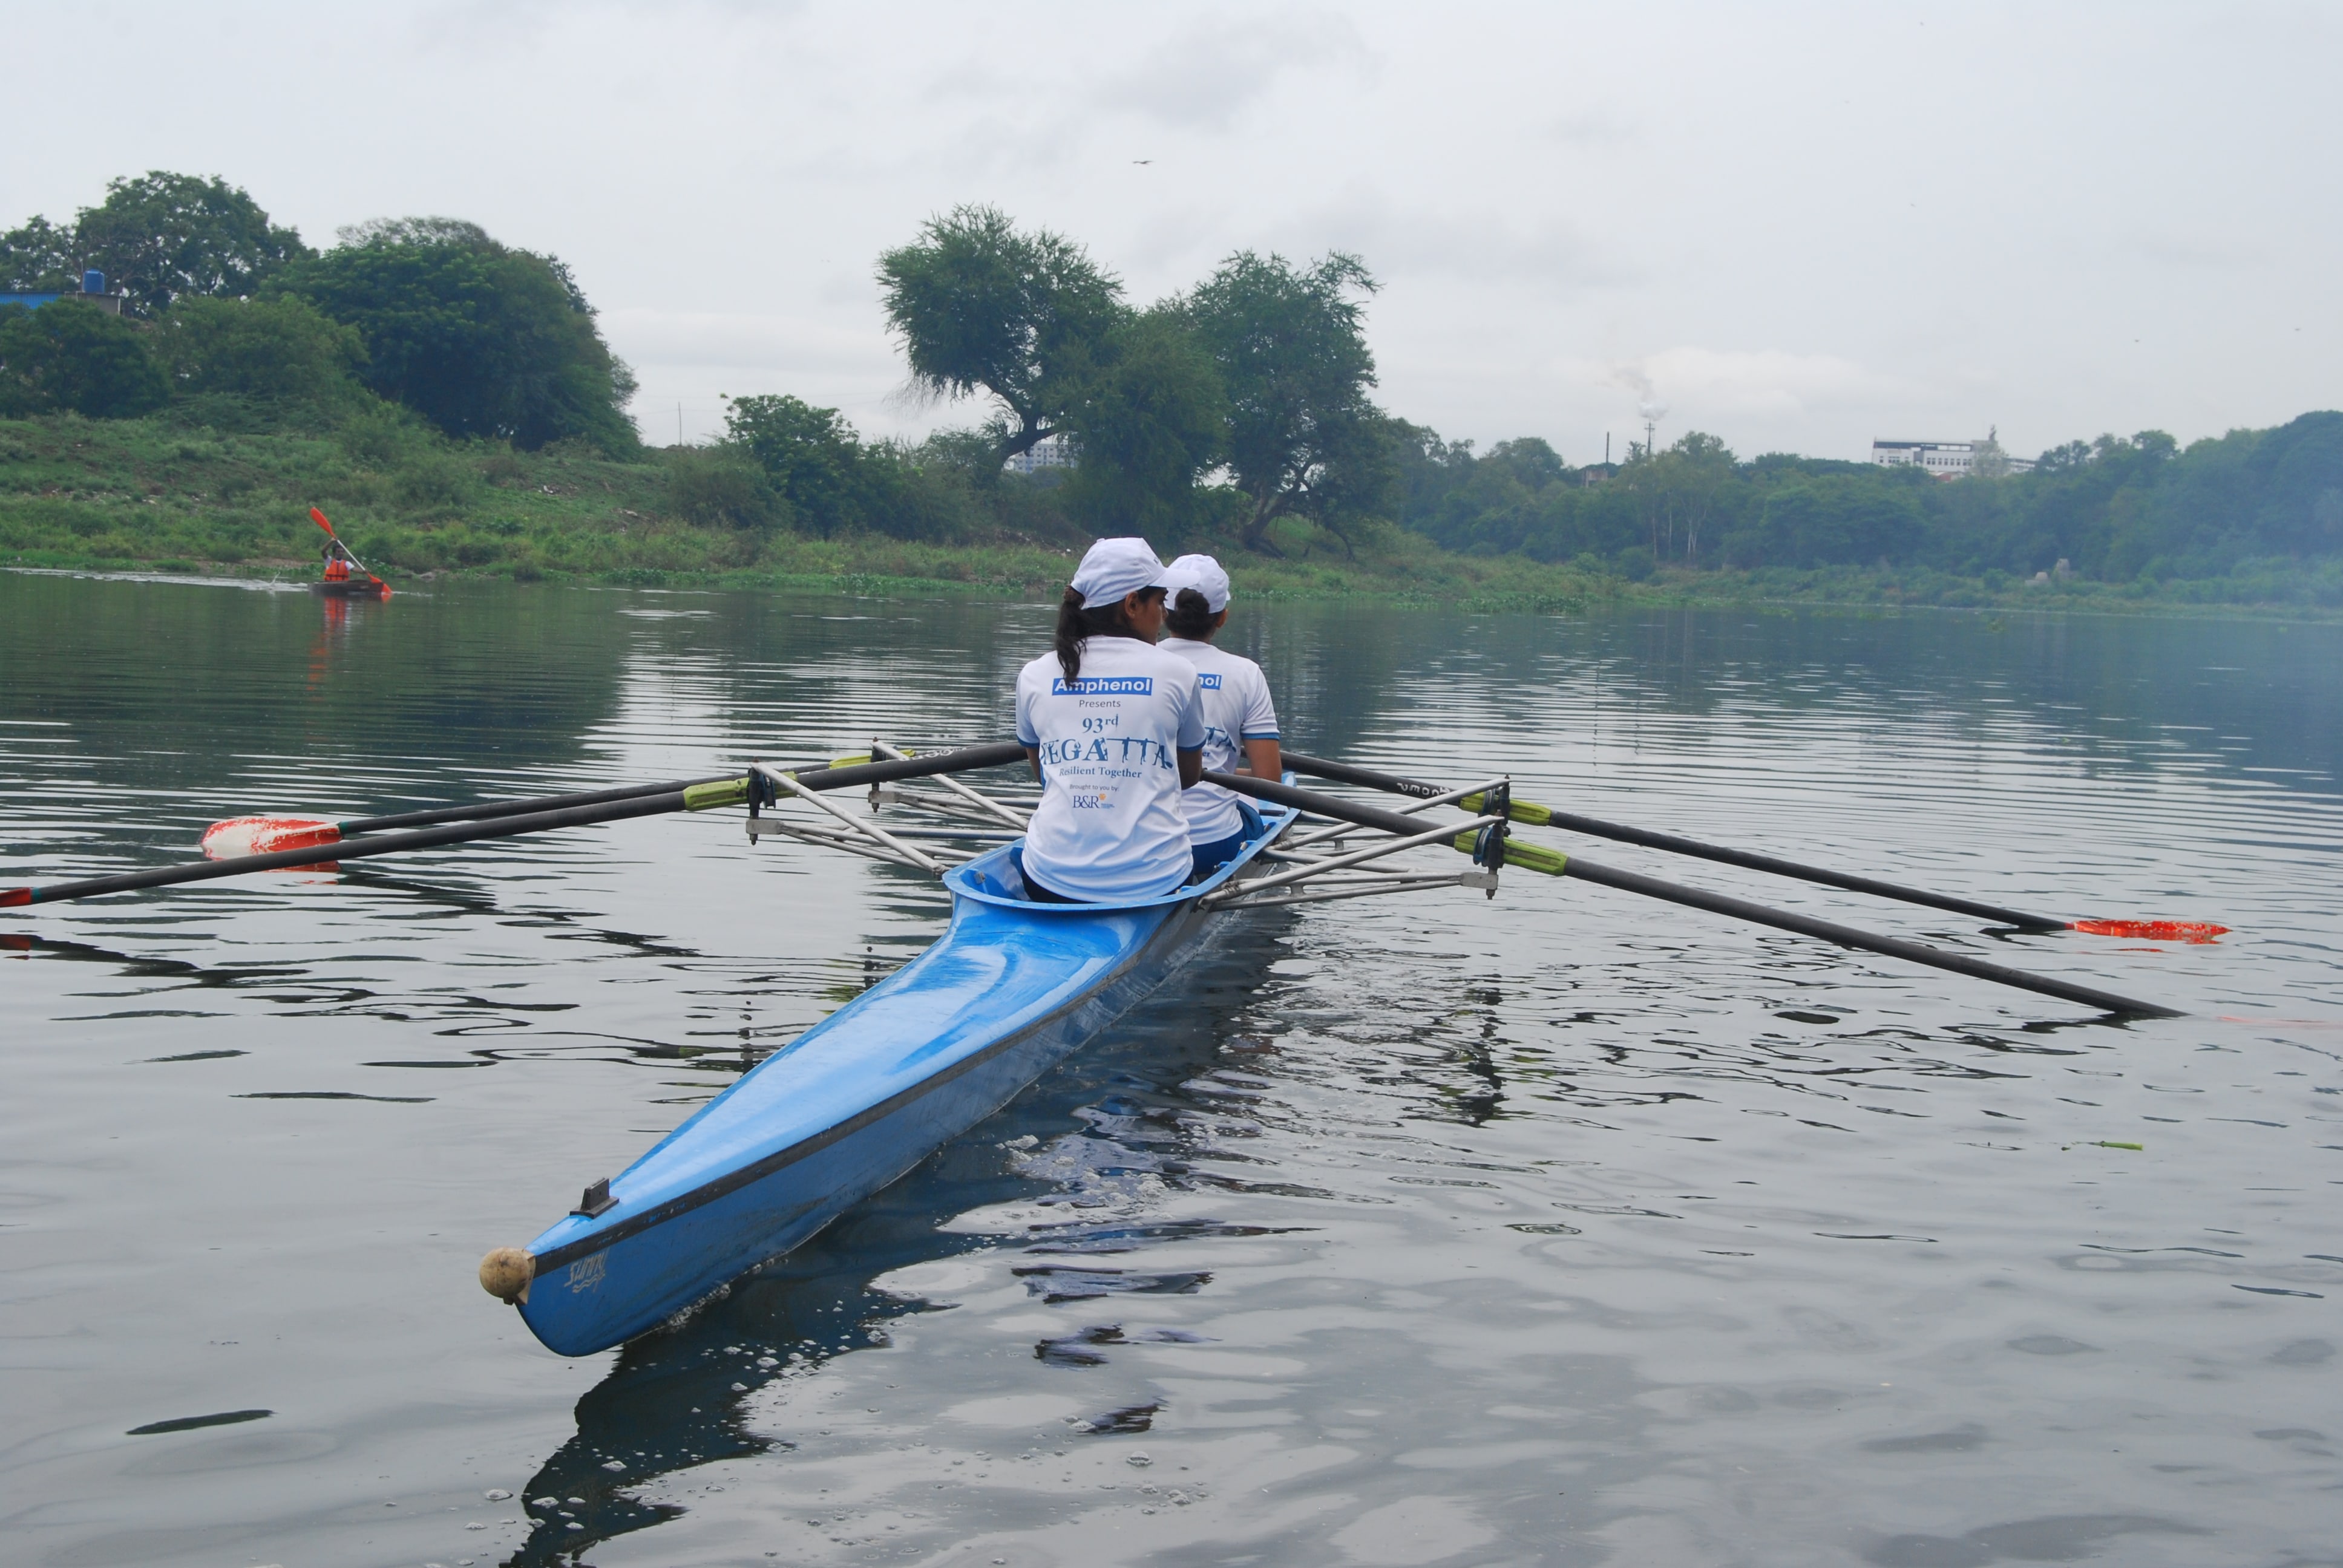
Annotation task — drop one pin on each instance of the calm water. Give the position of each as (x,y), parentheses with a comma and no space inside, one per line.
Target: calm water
(1561,1229)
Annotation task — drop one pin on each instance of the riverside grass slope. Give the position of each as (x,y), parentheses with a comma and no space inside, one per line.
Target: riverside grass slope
(162,494)
(172,495)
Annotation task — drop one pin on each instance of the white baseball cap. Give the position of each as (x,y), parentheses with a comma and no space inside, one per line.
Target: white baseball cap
(1114,568)
(1201,573)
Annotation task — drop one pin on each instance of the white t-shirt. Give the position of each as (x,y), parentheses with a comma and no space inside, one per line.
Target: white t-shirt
(1109,825)
(1237,708)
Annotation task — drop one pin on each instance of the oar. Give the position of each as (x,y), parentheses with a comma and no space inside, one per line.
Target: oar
(248,834)
(240,836)
(319,518)
(1538,816)
(702,797)
(1554,863)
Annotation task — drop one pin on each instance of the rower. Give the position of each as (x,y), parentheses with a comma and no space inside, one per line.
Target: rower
(1113,728)
(337,566)
(1240,720)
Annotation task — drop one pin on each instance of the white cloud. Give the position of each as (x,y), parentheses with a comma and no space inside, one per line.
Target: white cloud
(1207,75)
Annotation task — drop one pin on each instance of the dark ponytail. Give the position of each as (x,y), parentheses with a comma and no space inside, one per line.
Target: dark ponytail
(1070,633)
(1190,617)
(1077,626)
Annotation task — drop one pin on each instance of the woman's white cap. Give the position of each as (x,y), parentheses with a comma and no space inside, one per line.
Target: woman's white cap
(1113,569)
(1201,573)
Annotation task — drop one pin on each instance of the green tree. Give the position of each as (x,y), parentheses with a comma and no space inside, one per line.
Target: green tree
(1677,493)
(481,339)
(70,354)
(39,257)
(1842,519)
(982,307)
(1304,440)
(162,236)
(1152,423)
(283,348)
(812,457)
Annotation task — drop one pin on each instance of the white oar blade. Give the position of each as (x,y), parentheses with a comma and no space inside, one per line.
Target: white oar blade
(241,835)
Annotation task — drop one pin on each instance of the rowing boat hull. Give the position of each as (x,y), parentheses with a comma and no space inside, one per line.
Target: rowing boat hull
(1009,991)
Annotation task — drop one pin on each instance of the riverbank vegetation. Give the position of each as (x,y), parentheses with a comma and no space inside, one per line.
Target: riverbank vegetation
(450,402)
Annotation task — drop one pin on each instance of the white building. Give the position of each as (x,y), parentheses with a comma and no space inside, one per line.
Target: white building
(1049,452)
(1944,459)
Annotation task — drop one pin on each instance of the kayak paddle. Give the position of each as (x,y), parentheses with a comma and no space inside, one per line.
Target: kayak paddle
(1554,863)
(1536,815)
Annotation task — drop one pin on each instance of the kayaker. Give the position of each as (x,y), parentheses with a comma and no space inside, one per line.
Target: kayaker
(337,569)
(1240,720)
(1114,731)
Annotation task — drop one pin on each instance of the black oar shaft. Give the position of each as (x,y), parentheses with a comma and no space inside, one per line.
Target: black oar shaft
(1718,903)
(489,809)
(965,759)
(812,775)
(1848,936)
(356,849)
(599,807)
(1594,827)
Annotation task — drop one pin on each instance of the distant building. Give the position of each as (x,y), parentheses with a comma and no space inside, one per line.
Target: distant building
(1944,459)
(1049,452)
(92,292)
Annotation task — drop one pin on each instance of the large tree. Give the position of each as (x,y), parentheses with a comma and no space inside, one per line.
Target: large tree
(481,339)
(1304,439)
(163,234)
(39,257)
(1677,492)
(812,456)
(982,307)
(1153,421)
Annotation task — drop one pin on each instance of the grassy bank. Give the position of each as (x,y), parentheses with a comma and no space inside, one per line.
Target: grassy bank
(172,495)
(227,490)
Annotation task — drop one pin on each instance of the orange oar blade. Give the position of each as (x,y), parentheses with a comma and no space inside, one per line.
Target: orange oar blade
(318,517)
(241,835)
(2153,931)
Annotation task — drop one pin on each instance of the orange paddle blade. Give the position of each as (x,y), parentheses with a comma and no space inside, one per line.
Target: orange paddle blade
(266,835)
(2153,931)
(318,517)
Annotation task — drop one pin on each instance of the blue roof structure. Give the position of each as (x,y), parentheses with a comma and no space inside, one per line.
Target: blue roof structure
(30,301)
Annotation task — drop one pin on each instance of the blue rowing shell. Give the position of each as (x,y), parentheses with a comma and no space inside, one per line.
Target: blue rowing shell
(1011,990)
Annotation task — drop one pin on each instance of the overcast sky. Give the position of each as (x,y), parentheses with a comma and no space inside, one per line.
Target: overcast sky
(1799,226)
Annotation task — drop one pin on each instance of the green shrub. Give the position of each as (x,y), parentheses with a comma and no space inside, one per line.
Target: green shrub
(723,487)
(282,348)
(71,355)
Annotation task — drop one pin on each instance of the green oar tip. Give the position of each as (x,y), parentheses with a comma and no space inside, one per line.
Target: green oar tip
(1528,856)
(723,792)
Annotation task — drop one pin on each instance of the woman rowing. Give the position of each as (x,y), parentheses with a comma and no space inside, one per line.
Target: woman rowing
(1240,720)
(1114,731)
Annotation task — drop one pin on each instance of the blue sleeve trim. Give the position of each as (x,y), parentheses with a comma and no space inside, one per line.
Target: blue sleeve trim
(1190,751)
(1025,739)
(1265,735)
